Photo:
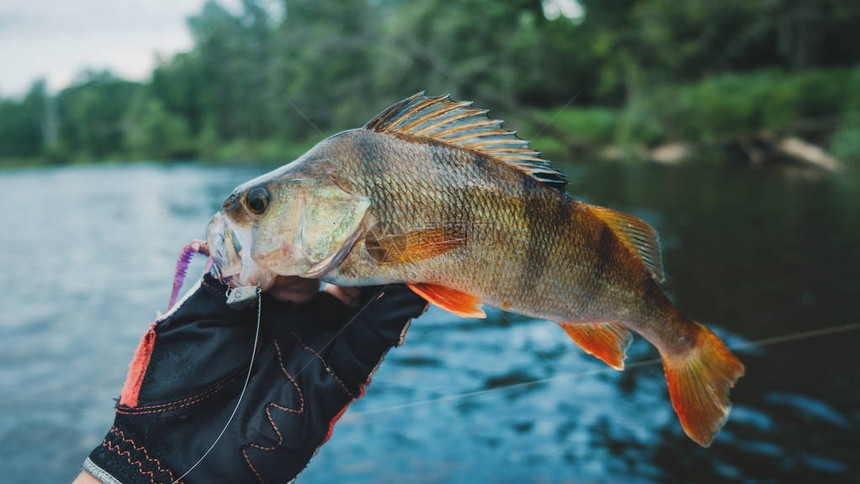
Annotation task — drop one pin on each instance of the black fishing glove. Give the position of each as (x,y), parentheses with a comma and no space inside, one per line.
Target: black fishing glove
(188,372)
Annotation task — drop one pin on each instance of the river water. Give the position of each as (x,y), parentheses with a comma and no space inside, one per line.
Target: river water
(87,255)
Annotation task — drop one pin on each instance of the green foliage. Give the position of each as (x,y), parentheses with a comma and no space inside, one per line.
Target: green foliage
(181,86)
(273,150)
(21,130)
(155,133)
(91,113)
(642,44)
(733,104)
(261,85)
(845,143)
(591,125)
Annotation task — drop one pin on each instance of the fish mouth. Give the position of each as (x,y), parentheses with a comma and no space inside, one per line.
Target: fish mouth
(229,248)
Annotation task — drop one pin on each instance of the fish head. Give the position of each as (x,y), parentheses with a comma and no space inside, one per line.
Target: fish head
(295,221)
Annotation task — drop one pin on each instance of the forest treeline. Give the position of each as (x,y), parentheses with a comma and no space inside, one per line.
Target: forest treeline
(265,83)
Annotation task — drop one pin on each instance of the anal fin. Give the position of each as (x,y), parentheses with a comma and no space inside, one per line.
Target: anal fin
(459,303)
(607,341)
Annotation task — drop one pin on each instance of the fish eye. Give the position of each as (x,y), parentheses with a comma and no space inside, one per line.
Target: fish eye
(257,200)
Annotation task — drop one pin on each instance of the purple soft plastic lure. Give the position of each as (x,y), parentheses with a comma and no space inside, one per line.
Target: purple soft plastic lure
(185,256)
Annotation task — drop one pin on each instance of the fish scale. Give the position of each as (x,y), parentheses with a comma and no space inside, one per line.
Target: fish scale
(416,209)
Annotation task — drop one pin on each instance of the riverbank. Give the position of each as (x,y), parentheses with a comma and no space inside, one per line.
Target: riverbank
(765,116)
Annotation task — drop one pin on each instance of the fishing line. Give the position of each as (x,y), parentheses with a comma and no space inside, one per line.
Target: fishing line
(797,336)
(303,115)
(376,296)
(636,364)
(510,324)
(559,111)
(244,387)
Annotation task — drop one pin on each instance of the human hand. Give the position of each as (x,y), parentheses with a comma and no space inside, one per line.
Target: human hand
(315,353)
(299,290)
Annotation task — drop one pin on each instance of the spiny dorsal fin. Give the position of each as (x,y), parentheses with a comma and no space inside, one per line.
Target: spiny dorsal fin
(456,123)
(637,235)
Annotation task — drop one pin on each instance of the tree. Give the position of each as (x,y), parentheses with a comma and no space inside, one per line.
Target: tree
(156,133)
(21,132)
(92,112)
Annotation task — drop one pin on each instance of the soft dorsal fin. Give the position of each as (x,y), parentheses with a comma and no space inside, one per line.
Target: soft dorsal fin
(637,235)
(458,124)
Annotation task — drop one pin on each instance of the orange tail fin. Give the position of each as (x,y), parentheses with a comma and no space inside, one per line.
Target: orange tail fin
(699,383)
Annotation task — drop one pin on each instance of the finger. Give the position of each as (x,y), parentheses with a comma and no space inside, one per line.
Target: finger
(346,295)
(382,324)
(294,289)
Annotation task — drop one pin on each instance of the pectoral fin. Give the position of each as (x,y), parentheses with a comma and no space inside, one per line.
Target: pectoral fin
(387,245)
(607,341)
(459,303)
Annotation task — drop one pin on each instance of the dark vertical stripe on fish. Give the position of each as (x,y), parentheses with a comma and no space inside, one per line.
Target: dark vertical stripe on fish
(535,257)
(605,244)
(458,213)
(441,177)
(480,162)
(442,162)
(365,149)
(371,169)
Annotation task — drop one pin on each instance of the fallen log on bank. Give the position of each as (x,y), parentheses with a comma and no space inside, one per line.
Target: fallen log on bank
(758,150)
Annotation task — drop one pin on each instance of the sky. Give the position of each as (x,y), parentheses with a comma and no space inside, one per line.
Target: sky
(57,39)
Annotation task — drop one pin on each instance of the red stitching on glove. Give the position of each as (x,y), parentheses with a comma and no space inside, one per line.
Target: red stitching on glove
(325,364)
(164,407)
(121,435)
(301,409)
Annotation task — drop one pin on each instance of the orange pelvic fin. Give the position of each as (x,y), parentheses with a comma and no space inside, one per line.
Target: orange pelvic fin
(457,302)
(607,341)
(699,383)
(637,235)
(387,246)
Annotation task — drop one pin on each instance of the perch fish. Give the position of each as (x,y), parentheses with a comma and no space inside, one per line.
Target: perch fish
(434,194)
